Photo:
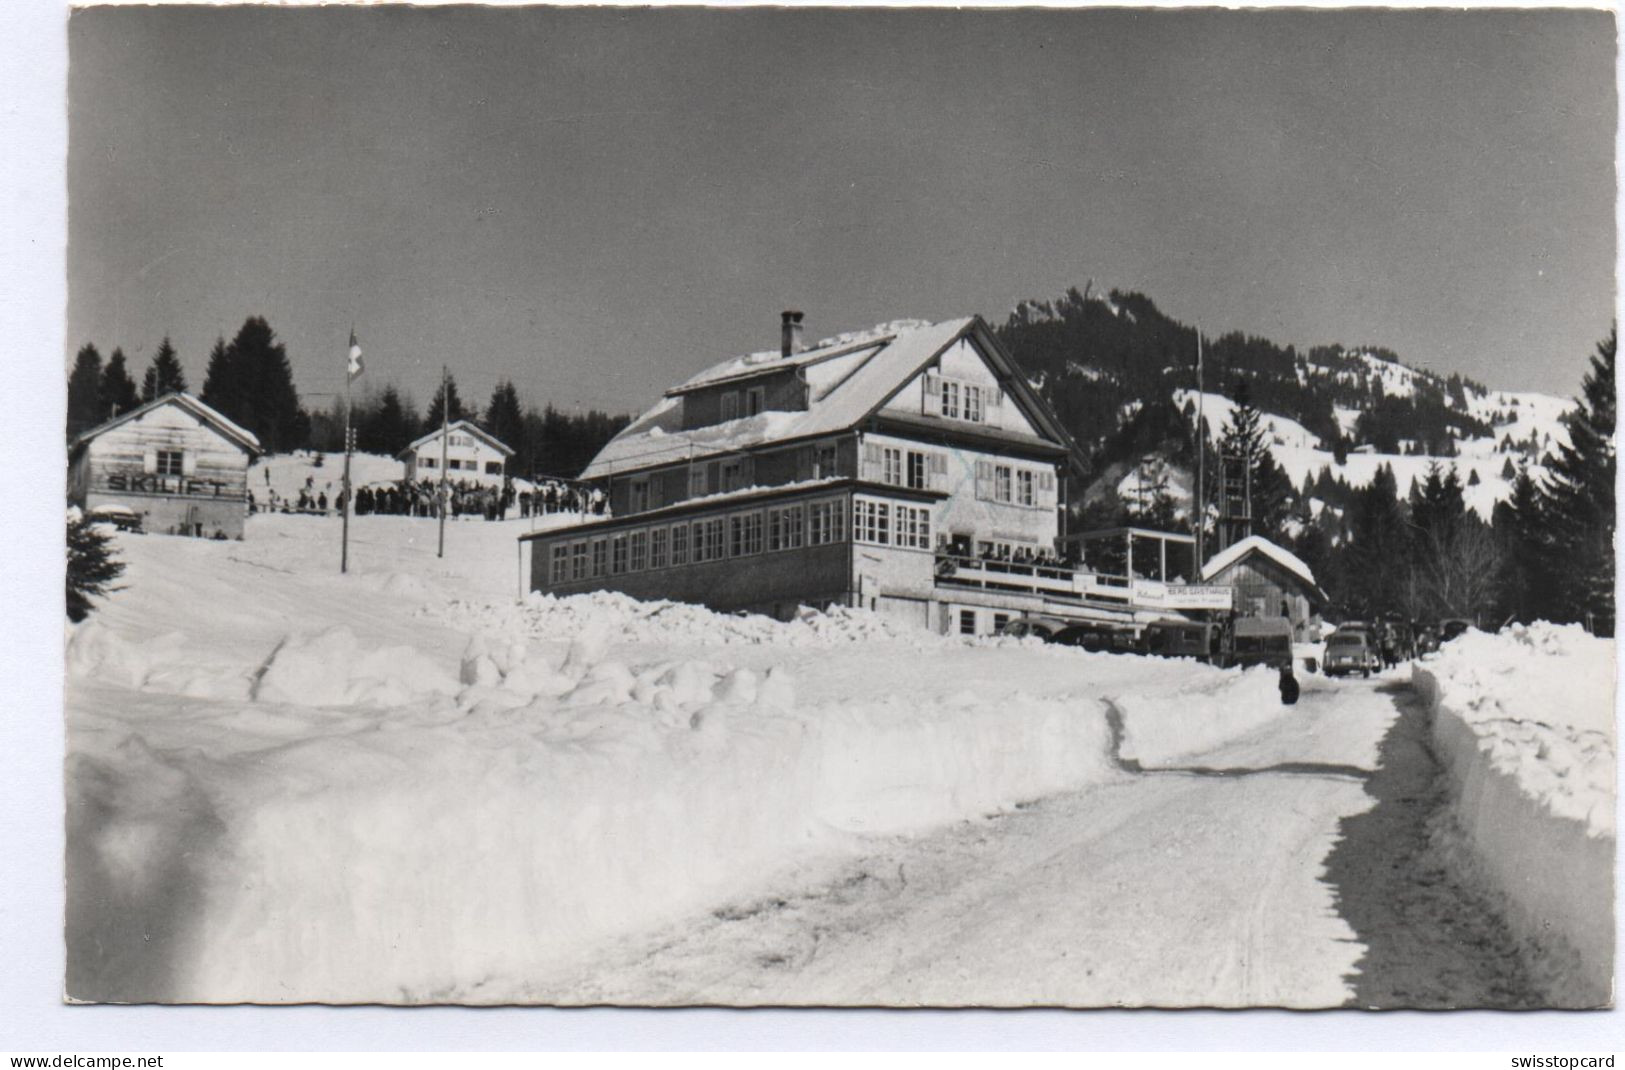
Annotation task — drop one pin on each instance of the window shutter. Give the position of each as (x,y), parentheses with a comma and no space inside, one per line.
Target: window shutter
(188,463)
(1046,480)
(995,397)
(871,460)
(149,461)
(933,394)
(984,479)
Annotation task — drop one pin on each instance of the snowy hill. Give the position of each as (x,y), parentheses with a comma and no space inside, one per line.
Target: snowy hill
(1102,360)
(1303,454)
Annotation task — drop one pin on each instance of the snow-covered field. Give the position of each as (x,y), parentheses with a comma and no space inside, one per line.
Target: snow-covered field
(403,784)
(1524,721)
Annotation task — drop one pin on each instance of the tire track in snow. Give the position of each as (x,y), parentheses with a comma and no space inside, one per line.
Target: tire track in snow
(1133,766)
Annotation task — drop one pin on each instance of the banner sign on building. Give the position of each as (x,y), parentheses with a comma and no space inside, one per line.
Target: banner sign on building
(1152,594)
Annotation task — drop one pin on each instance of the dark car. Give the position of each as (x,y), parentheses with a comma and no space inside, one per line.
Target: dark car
(1180,639)
(120,516)
(1261,641)
(1452,629)
(1038,627)
(1095,637)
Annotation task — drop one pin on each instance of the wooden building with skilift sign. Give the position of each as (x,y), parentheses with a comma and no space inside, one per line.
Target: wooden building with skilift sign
(175,462)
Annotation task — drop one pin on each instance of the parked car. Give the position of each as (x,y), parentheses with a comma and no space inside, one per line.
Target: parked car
(1095,637)
(1352,650)
(1453,628)
(120,516)
(1180,639)
(1040,627)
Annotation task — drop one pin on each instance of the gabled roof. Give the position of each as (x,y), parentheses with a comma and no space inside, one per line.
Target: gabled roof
(466,427)
(205,413)
(1260,545)
(887,359)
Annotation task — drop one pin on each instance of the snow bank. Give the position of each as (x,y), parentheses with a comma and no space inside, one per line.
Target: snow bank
(1524,724)
(401,785)
(328,839)
(1174,723)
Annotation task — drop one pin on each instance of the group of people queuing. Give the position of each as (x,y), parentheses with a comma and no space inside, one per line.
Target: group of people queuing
(557,496)
(421,497)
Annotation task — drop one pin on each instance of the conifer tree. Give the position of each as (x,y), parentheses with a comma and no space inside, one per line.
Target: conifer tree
(118,392)
(1579,506)
(455,410)
(92,568)
(505,419)
(219,385)
(1526,565)
(389,428)
(164,374)
(85,391)
(252,384)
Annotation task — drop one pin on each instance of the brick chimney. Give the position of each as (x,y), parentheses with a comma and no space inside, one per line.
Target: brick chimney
(790,334)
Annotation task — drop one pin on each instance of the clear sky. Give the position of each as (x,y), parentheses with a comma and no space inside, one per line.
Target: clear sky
(599,202)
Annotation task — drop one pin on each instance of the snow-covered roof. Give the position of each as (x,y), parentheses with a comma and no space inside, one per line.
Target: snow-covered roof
(1258,544)
(771,360)
(887,358)
(467,427)
(193,405)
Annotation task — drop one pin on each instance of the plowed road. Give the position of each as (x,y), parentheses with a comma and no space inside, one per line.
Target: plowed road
(1289,868)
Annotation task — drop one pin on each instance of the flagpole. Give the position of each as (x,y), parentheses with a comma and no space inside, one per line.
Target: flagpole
(344,511)
(445,421)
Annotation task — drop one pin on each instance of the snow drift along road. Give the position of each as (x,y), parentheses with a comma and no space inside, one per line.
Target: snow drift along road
(396,786)
(1524,722)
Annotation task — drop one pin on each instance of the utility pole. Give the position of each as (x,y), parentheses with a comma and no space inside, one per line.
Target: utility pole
(445,436)
(1201,458)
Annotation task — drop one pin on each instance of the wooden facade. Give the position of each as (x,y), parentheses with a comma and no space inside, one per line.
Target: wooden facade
(175,462)
(878,461)
(1265,588)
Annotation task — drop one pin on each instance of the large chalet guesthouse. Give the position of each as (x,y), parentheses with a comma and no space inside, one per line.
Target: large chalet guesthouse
(909,469)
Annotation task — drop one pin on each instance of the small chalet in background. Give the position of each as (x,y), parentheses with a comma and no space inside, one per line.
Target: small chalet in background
(473,455)
(175,462)
(1269,581)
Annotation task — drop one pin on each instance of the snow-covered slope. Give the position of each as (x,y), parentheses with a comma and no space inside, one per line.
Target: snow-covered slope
(1302,454)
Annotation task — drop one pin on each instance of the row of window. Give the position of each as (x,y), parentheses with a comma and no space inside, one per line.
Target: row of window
(723,476)
(899,467)
(748,402)
(891,524)
(967,621)
(1008,484)
(715,538)
(742,534)
(957,399)
(453,464)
